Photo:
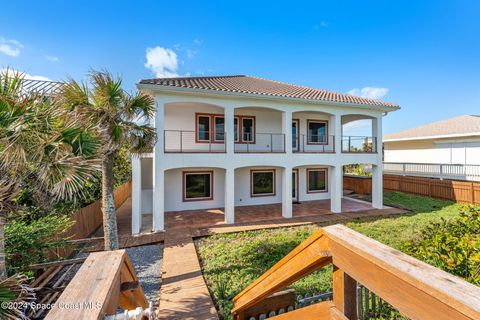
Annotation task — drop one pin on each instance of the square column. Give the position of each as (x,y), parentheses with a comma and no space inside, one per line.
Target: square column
(377,186)
(336,190)
(136,194)
(336,130)
(287,130)
(287,211)
(158,171)
(229,195)
(229,130)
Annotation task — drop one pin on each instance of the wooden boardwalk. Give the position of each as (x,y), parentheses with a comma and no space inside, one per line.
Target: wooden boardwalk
(184,294)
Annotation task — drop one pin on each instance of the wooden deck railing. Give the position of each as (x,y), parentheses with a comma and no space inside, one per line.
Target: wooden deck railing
(105,281)
(416,289)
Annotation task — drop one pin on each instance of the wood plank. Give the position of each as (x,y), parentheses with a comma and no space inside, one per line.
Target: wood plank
(93,284)
(56,263)
(319,310)
(304,259)
(277,301)
(416,289)
(344,293)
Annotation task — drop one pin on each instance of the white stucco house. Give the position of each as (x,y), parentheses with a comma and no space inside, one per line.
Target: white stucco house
(231,141)
(451,141)
(446,149)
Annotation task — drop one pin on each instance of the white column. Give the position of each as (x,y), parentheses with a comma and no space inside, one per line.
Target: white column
(136,194)
(230,195)
(377,170)
(229,130)
(336,130)
(377,186)
(336,189)
(287,130)
(158,171)
(287,211)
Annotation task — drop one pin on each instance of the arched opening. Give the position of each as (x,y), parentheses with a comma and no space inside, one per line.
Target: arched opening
(258,130)
(363,182)
(194,127)
(313,132)
(359,133)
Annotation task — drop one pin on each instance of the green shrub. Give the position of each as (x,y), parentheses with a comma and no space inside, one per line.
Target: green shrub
(29,241)
(452,245)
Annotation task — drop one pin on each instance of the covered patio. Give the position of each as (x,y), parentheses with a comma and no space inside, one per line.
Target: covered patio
(316,211)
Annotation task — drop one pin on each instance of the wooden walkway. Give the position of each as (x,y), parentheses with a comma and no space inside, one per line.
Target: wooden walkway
(184,294)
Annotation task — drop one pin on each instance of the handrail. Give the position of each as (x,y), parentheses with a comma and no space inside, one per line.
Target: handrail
(416,289)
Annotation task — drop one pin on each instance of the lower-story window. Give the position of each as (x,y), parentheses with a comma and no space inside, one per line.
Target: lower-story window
(316,180)
(262,183)
(197,185)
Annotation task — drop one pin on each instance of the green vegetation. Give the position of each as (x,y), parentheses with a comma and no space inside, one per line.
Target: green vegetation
(231,261)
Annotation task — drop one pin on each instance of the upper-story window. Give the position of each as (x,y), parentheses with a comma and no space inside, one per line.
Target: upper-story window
(210,127)
(248,129)
(317,132)
(219,122)
(203,128)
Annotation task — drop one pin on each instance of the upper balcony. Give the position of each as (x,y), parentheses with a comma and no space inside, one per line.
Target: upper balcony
(200,128)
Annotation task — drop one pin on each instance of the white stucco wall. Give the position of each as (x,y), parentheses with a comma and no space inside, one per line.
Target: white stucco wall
(434,151)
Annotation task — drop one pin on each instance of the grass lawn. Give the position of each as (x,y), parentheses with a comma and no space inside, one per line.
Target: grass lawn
(231,261)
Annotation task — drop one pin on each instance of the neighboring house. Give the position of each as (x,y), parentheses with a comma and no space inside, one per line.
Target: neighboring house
(229,141)
(451,141)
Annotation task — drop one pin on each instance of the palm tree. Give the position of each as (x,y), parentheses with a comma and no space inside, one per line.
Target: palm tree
(40,144)
(119,118)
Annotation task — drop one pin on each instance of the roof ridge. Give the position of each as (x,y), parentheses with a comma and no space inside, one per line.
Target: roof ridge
(198,77)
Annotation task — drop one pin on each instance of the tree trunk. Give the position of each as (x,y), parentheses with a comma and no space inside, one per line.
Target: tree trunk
(108,204)
(3,265)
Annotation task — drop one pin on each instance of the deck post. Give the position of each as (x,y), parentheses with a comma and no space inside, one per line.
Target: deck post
(229,195)
(136,194)
(228,123)
(287,131)
(287,211)
(345,293)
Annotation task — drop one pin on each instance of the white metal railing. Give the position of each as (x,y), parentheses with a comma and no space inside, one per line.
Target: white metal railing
(435,170)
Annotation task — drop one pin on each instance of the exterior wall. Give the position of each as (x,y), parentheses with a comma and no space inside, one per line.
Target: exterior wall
(434,151)
(174,189)
(161,187)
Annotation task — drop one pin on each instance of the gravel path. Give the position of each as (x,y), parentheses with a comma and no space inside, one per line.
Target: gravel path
(147,261)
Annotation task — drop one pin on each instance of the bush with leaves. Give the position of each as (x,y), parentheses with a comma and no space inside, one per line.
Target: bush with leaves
(29,241)
(452,245)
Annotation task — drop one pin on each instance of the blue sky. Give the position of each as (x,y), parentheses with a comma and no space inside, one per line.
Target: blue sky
(424,55)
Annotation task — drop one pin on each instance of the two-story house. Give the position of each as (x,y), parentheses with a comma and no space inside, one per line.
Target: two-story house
(231,141)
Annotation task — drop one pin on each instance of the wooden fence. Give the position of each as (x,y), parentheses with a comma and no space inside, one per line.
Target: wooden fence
(90,218)
(455,190)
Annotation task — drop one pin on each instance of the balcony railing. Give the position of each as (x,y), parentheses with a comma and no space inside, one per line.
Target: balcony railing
(261,143)
(313,143)
(181,141)
(359,144)
(434,170)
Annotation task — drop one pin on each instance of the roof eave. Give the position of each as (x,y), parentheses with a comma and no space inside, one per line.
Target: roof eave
(208,92)
(444,136)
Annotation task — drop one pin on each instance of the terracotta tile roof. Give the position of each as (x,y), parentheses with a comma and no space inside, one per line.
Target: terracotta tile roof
(259,86)
(459,126)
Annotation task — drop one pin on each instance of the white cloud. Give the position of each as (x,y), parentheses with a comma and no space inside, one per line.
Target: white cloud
(191,53)
(10,47)
(322,24)
(370,92)
(26,75)
(163,62)
(51,58)
(198,41)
